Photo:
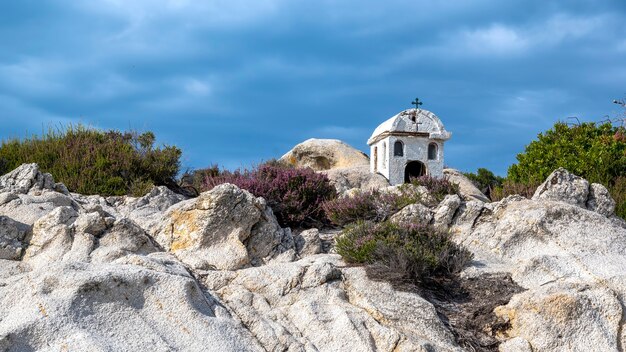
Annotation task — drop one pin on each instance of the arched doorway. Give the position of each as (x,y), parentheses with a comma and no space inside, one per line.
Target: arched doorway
(414,169)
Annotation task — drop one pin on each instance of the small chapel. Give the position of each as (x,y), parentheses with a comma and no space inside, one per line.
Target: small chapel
(410,144)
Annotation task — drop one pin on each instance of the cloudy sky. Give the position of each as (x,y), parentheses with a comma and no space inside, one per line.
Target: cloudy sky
(235,82)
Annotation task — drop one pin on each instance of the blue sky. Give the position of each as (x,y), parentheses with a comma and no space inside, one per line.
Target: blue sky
(235,82)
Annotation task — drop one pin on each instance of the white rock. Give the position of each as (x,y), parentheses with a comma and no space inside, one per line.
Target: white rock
(563,186)
(211,231)
(413,214)
(12,238)
(600,200)
(467,189)
(357,177)
(113,307)
(308,242)
(25,178)
(325,154)
(446,210)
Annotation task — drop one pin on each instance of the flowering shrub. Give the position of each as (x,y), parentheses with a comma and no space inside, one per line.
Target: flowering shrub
(402,252)
(438,187)
(294,194)
(369,205)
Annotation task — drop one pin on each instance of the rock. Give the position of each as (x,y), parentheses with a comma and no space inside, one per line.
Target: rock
(113,307)
(446,210)
(52,237)
(467,189)
(27,208)
(308,242)
(268,241)
(147,211)
(358,177)
(211,231)
(516,344)
(25,178)
(12,238)
(124,237)
(325,154)
(563,186)
(317,305)
(564,317)
(416,213)
(570,260)
(600,200)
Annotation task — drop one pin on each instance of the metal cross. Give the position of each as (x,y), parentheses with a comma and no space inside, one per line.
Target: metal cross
(417,103)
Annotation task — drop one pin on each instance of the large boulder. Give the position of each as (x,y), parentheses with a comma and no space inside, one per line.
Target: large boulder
(564,186)
(467,189)
(123,306)
(318,304)
(357,177)
(324,154)
(570,260)
(226,228)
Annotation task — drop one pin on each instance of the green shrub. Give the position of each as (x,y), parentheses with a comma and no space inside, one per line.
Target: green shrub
(509,188)
(294,194)
(595,152)
(402,252)
(618,192)
(91,161)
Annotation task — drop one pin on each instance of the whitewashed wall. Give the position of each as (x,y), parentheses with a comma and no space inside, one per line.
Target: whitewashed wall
(415,149)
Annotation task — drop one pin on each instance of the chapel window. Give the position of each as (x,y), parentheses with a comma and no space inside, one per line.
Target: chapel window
(398,149)
(432,151)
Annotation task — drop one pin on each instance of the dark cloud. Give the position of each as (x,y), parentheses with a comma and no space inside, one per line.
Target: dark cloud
(233,82)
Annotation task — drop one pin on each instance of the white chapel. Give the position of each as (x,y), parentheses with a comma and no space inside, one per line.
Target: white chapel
(410,144)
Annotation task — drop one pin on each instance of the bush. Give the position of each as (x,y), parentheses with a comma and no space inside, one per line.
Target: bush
(371,205)
(595,152)
(90,161)
(509,188)
(438,187)
(402,252)
(618,192)
(295,195)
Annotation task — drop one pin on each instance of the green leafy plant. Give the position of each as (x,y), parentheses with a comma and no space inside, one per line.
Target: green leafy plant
(90,161)
(595,152)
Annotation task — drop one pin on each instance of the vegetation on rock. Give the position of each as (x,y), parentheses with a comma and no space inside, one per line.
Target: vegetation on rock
(596,152)
(371,205)
(439,188)
(90,161)
(402,252)
(294,194)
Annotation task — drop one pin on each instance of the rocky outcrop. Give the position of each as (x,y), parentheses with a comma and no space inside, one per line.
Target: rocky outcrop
(466,188)
(357,177)
(217,273)
(570,259)
(316,304)
(324,154)
(226,228)
(563,186)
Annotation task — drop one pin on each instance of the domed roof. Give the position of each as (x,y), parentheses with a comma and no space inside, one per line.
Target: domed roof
(415,122)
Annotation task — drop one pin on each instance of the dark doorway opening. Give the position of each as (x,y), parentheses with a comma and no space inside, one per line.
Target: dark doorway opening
(414,169)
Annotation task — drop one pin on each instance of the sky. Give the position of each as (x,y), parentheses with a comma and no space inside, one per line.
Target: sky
(236,82)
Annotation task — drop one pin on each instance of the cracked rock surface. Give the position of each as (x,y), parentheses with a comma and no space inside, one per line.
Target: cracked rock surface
(218,273)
